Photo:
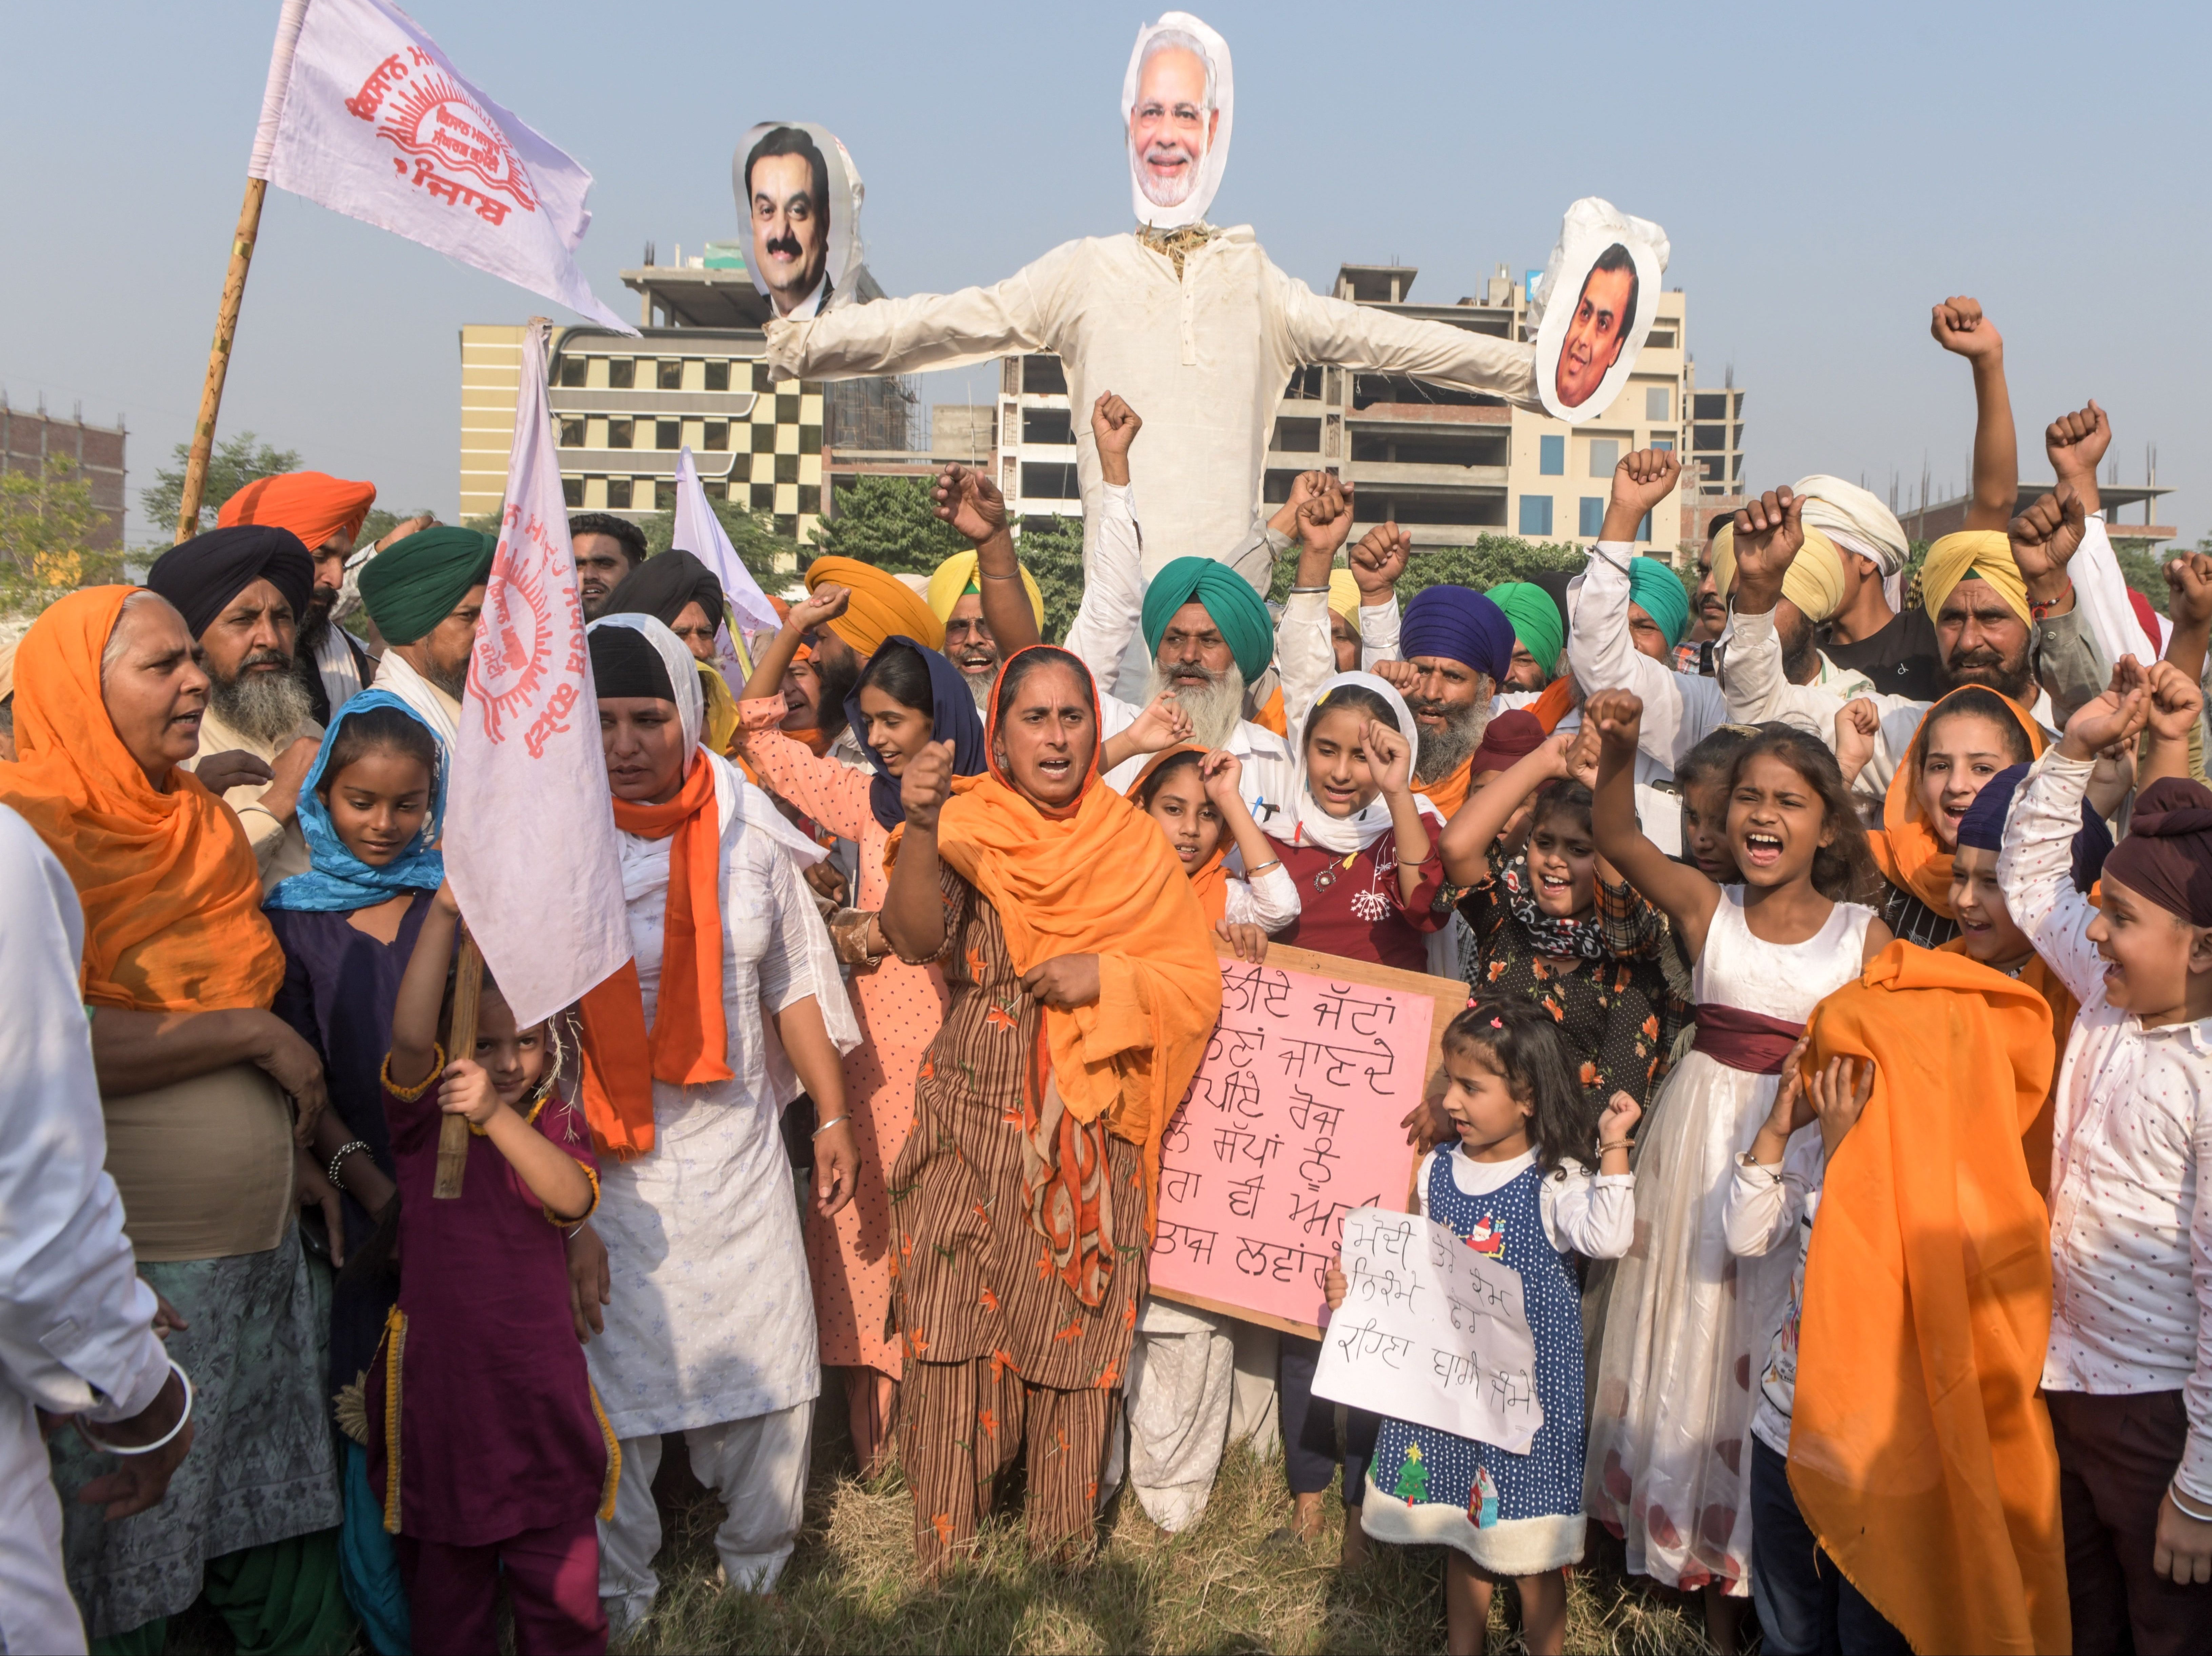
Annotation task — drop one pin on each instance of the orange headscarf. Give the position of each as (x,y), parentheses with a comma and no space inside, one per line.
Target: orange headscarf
(1210,883)
(1097,879)
(1920,1453)
(171,891)
(1910,856)
(689,1043)
(313,505)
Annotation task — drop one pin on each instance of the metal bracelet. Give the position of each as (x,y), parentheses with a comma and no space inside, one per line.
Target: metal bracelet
(164,1440)
(2188,1509)
(343,1151)
(831,1123)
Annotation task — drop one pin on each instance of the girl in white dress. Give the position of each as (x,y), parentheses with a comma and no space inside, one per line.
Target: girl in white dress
(1688,1324)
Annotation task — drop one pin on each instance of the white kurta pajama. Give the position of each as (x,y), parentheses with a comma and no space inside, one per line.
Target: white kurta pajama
(710,1330)
(1203,358)
(75,1322)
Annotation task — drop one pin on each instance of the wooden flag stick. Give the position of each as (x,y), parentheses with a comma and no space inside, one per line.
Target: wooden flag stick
(454,1130)
(226,330)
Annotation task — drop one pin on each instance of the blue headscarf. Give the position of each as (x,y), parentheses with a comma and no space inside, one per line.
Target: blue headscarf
(340,881)
(952,717)
(1461,624)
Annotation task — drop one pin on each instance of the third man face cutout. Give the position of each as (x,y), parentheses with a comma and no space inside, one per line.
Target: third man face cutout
(1604,313)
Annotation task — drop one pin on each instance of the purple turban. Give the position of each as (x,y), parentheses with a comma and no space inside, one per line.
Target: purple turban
(1460,624)
(2167,855)
(1982,829)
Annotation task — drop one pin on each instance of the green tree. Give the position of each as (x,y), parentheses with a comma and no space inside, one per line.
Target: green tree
(47,523)
(887,522)
(380,522)
(771,559)
(1051,548)
(231,466)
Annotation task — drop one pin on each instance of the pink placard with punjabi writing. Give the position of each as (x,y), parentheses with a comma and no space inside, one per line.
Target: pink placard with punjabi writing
(1291,1122)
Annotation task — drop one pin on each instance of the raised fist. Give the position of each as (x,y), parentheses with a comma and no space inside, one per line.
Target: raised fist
(1324,517)
(1114,423)
(2076,443)
(926,785)
(1644,478)
(1959,326)
(1378,561)
(1768,533)
(971,502)
(2047,535)
(1617,716)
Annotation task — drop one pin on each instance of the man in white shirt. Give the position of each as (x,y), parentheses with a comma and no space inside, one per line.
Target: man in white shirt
(77,1324)
(241,591)
(425,594)
(2128,1374)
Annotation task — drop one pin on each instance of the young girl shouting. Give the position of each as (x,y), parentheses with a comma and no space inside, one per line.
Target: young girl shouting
(487,1445)
(1688,1325)
(1515,1176)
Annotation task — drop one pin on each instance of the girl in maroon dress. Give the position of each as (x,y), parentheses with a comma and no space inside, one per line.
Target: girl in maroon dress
(487,1446)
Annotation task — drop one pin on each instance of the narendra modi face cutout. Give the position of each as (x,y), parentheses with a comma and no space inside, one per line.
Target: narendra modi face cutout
(1178,99)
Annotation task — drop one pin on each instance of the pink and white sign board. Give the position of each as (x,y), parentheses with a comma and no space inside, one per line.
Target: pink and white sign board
(1292,1122)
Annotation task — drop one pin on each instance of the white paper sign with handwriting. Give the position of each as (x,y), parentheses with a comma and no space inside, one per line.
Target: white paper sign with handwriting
(1430,1331)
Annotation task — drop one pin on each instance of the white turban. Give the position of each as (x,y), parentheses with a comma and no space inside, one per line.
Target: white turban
(1857,522)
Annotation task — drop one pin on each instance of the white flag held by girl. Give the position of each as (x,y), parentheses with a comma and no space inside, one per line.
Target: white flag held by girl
(530,833)
(365,116)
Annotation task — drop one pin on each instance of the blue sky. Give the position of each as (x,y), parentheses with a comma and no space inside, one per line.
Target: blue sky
(1824,175)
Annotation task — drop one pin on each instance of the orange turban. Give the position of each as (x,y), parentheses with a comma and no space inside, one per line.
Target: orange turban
(883,606)
(171,891)
(313,505)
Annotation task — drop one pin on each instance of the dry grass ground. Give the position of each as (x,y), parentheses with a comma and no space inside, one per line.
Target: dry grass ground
(1219,1588)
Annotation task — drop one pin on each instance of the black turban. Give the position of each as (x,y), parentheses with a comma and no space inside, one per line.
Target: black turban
(202,575)
(661,586)
(625,664)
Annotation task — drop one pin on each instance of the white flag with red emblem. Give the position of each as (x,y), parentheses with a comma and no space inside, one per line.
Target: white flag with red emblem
(530,829)
(700,532)
(365,116)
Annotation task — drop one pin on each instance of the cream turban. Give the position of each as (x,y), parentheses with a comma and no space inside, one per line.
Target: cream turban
(1854,519)
(1813,581)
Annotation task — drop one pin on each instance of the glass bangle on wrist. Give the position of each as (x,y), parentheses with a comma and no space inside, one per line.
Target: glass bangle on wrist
(162,1441)
(338,1160)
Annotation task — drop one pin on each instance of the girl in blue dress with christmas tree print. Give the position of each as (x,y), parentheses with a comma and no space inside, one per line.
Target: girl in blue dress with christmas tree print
(1517,1186)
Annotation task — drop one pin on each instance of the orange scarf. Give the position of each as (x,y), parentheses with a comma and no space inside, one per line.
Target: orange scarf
(1210,883)
(1920,1453)
(1557,701)
(1911,857)
(1100,880)
(1448,794)
(171,892)
(1270,715)
(2035,1140)
(690,1041)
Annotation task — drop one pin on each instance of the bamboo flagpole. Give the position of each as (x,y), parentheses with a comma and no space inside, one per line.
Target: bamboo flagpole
(454,1130)
(218,368)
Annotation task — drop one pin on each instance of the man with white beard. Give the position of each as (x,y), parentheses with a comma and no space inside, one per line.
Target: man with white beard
(241,591)
(1209,635)
(1192,322)
(955,595)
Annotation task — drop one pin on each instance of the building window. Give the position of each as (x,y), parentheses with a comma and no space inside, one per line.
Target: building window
(572,370)
(1704,438)
(1536,513)
(1592,522)
(1047,481)
(1604,456)
(671,375)
(571,433)
(668,434)
(618,494)
(1662,339)
(1053,425)
(1658,402)
(717,433)
(1666,444)
(621,372)
(1043,376)
(621,433)
(718,374)
(572,492)
(1551,456)
(1643,529)
(1712,406)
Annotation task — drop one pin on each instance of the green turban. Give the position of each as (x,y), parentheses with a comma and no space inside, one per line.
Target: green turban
(1654,587)
(1227,598)
(413,585)
(1535,621)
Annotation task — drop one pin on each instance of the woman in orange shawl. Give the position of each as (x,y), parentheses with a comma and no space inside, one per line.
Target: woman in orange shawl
(1084,987)
(1192,794)
(179,969)
(1963,741)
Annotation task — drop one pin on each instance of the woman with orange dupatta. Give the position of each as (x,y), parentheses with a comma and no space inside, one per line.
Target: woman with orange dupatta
(1084,987)
(195,1074)
(1920,1453)
(690,1052)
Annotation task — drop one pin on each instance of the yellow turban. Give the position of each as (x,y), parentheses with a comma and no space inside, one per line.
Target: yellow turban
(1344,595)
(1813,582)
(883,606)
(1976,553)
(955,578)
